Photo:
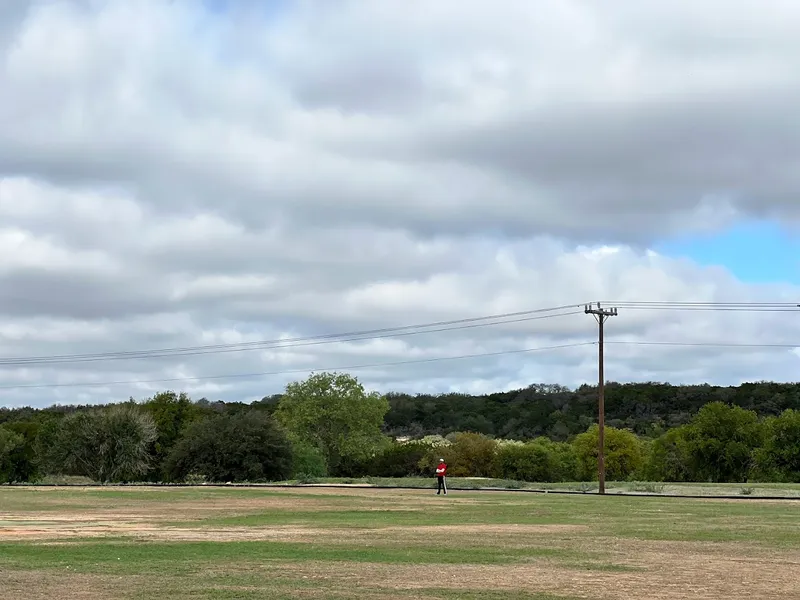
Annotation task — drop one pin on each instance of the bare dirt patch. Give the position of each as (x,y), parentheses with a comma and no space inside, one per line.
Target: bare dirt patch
(47,586)
(59,527)
(151,518)
(677,579)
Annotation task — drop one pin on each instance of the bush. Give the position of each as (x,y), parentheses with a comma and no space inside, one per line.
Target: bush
(668,458)
(22,458)
(720,442)
(105,445)
(307,461)
(647,487)
(540,460)
(434,441)
(306,479)
(248,446)
(468,455)
(400,460)
(779,458)
(10,445)
(624,454)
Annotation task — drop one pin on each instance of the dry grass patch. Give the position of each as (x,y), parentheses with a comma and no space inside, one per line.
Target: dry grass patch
(17,585)
(678,578)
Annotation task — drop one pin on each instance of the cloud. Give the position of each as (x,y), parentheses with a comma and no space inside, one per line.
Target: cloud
(176,174)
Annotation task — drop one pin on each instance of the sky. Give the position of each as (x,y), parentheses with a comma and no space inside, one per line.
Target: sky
(183,174)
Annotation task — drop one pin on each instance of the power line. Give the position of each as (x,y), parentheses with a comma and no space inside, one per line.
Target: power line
(710,306)
(702,344)
(356,367)
(296,371)
(711,309)
(389,332)
(703,303)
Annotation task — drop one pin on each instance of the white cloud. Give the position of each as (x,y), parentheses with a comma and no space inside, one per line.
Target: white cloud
(171,177)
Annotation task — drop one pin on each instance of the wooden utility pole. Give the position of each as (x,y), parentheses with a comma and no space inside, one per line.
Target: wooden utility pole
(601,315)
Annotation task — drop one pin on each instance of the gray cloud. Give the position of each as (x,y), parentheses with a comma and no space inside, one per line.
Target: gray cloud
(171,177)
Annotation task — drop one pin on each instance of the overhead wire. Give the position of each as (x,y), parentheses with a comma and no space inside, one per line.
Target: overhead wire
(391,332)
(707,306)
(363,366)
(701,344)
(364,335)
(296,371)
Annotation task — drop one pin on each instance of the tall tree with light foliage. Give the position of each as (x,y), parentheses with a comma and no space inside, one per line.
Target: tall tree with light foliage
(334,412)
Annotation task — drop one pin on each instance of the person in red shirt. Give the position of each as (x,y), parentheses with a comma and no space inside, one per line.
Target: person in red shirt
(441,473)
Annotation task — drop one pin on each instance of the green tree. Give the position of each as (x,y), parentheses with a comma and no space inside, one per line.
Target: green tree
(468,455)
(721,440)
(307,459)
(333,412)
(10,445)
(399,460)
(668,457)
(171,413)
(247,446)
(779,458)
(105,445)
(538,460)
(623,452)
(23,458)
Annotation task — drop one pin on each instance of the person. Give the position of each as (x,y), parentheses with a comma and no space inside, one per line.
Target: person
(441,473)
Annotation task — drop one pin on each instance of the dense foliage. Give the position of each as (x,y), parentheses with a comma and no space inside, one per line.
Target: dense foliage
(105,445)
(247,446)
(330,425)
(334,413)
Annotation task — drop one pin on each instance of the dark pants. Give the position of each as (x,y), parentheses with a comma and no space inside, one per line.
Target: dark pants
(441,486)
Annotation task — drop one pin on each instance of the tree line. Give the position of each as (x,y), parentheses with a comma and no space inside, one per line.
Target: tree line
(329,425)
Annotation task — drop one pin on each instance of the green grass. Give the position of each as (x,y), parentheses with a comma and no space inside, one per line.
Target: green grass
(476,483)
(142,558)
(336,537)
(641,518)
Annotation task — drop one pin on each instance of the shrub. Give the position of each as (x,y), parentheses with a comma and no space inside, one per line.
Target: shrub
(248,446)
(779,458)
(306,479)
(721,440)
(468,455)
(105,445)
(623,453)
(307,460)
(22,457)
(434,441)
(668,458)
(540,460)
(647,487)
(10,445)
(399,460)
(502,443)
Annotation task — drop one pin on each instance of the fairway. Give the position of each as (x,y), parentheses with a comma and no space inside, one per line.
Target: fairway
(181,543)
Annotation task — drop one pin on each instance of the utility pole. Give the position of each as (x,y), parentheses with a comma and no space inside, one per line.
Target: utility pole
(601,315)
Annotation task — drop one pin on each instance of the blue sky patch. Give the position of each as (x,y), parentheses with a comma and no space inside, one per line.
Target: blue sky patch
(756,252)
(268,8)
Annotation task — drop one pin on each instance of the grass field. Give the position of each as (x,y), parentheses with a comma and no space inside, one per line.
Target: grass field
(785,490)
(237,543)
